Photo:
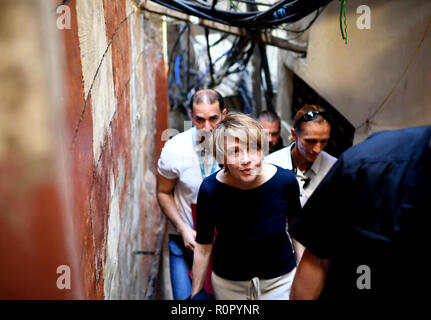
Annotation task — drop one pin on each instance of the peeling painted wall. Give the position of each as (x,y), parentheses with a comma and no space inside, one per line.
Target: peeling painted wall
(112,101)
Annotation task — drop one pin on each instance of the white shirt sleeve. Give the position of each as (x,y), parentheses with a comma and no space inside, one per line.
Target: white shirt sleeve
(166,165)
(280,158)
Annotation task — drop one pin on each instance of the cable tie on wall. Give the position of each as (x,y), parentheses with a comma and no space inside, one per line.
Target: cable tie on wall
(280,13)
(150,253)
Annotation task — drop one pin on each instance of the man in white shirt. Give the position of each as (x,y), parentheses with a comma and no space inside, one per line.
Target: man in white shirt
(305,156)
(184,162)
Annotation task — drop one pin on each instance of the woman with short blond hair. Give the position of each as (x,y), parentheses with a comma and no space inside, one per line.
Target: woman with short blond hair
(247,203)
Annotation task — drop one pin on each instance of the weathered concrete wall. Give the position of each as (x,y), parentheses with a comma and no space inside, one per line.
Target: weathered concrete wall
(381,78)
(36,232)
(115,105)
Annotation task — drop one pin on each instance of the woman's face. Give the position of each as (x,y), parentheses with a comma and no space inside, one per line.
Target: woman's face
(244,162)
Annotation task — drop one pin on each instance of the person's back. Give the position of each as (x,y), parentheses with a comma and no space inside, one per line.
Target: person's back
(374,232)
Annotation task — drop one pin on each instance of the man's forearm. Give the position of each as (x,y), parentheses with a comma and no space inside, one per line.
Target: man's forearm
(310,277)
(169,207)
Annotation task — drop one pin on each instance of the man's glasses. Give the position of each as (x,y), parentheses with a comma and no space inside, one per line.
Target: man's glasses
(311,115)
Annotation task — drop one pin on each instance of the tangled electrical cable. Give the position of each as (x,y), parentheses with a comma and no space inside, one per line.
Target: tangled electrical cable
(279,13)
(185,72)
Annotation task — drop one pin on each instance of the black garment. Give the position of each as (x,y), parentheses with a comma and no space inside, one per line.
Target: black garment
(370,210)
(278,146)
(251,236)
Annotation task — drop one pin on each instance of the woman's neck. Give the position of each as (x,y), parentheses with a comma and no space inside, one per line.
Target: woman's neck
(266,173)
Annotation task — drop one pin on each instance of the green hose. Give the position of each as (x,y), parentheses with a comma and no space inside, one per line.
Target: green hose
(343,13)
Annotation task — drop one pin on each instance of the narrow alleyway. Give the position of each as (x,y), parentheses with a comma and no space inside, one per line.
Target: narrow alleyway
(92,89)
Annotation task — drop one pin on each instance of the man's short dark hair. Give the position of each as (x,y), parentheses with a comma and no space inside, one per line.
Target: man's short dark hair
(207,96)
(268,115)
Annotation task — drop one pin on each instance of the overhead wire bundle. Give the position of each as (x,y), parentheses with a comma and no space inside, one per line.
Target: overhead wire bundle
(281,12)
(185,76)
(185,64)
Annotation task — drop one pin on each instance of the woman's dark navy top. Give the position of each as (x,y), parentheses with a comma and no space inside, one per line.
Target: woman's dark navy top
(251,239)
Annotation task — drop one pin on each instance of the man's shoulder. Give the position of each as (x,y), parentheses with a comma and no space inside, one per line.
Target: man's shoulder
(328,158)
(176,155)
(391,145)
(279,158)
(179,141)
(182,136)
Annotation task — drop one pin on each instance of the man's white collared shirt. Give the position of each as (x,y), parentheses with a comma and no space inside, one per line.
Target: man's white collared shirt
(314,175)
